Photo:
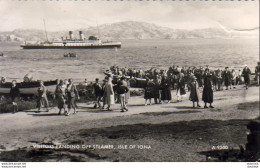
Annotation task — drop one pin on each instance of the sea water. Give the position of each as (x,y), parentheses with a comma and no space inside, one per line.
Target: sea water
(49,64)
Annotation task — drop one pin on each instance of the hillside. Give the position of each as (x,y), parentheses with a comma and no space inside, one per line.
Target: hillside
(127,30)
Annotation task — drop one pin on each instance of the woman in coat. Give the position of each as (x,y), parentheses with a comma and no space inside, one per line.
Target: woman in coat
(109,97)
(60,94)
(180,87)
(166,89)
(72,94)
(207,95)
(194,91)
(42,97)
(148,91)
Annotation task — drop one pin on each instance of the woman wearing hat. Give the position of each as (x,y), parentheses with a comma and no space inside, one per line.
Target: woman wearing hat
(194,91)
(207,95)
(60,94)
(246,73)
(180,87)
(166,89)
(109,97)
(148,91)
(226,77)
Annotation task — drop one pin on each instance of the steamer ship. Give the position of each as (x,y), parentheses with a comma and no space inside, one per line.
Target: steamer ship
(73,43)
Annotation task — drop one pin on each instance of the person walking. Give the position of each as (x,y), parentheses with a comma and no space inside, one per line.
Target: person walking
(60,93)
(109,98)
(122,90)
(72,94)
(246,73)
(14,94)
(42,98)
(97,91)
(207,95)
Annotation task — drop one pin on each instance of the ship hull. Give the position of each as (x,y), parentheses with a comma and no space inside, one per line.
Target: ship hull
(70,47)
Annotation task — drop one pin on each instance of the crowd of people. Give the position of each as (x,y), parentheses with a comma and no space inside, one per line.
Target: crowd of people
(158,85)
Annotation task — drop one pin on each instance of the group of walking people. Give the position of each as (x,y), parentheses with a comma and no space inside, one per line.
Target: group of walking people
(66,94)
(111,91)
(158,86)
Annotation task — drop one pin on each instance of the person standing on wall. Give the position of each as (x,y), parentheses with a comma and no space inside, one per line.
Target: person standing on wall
(14,94)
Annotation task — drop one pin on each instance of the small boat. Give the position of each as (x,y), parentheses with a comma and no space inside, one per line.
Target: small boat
(28,88)
(70,55)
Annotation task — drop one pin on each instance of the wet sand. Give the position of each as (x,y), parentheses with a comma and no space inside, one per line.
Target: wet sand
(166,132)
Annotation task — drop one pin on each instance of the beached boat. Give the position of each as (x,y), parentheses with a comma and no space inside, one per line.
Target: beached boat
(28,88)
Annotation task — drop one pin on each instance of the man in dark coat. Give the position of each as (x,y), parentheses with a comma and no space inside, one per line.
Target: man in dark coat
(166,89)
(97,89)
(246,73)
(226,76)
(207,95)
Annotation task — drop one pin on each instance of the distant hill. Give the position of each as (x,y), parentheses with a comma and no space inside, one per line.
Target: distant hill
(128,30)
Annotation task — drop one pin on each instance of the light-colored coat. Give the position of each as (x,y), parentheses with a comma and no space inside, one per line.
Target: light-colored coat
(109,97)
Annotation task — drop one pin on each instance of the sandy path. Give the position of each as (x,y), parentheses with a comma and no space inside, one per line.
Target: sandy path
(20,128)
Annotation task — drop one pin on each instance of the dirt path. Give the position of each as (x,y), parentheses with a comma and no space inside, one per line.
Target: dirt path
(25,128)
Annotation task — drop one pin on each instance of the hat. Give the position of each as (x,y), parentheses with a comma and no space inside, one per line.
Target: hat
(123,78)
(97,79)
(245,65)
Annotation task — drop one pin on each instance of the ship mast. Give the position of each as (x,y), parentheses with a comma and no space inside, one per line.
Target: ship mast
(98,30)
(45,30)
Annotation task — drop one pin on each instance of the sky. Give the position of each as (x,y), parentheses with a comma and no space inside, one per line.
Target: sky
(75,14)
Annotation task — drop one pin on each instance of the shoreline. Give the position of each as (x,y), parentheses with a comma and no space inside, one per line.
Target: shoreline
(21,130)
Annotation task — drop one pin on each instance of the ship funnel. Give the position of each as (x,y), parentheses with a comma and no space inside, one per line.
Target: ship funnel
(81,35)
(71,35)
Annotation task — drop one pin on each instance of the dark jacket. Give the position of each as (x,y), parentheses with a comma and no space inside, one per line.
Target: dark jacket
(122,89)
(14,92)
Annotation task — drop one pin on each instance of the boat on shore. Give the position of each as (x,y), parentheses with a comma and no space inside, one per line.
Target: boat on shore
(72,43)
(28,88)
